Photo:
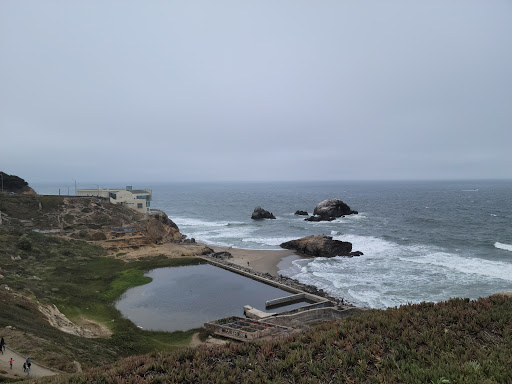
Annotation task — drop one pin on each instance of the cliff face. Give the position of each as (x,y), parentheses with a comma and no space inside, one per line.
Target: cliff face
(88,218)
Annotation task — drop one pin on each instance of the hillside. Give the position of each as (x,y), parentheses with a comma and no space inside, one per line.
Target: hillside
(58,288)
(87,218)
(458,341)
(62,268)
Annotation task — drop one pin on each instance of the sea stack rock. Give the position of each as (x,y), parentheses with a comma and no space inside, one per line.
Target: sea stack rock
(302,213)
(321,246)
(259,214)
(330,209)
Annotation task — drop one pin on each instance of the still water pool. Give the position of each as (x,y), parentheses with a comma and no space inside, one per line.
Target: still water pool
(183,298)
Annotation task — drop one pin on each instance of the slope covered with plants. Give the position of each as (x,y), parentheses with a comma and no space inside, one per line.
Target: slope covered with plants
(459,341)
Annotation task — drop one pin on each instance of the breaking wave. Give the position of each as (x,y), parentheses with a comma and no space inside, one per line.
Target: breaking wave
(506,247)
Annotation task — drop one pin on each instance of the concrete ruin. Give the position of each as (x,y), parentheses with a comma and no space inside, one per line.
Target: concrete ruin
(243,329)
(260,324)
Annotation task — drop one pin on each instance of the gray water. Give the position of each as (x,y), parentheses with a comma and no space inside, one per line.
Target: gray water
(184,298)
(422,240)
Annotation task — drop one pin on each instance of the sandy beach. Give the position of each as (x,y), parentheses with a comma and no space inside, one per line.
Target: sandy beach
(264,261)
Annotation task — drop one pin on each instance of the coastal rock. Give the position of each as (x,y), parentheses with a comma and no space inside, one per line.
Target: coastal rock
(221,255)
(329,210)
(302,213)
(321,246)
(206,251)
(319,218)
(259,214)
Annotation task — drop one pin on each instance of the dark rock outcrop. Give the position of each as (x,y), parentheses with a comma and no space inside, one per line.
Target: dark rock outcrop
(329,210)
(221,255)
(259,214)
(319,218)
(321,246)
(302,213)
(15,184)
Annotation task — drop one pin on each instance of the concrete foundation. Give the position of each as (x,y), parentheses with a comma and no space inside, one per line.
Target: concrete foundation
(242,329)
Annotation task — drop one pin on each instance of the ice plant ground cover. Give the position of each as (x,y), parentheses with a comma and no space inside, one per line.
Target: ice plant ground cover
(458,341)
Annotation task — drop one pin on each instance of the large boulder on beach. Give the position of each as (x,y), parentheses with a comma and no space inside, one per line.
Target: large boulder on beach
(321,246)
(259,214)
(330,209)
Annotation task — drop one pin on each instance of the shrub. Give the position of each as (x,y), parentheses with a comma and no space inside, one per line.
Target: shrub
(24,243)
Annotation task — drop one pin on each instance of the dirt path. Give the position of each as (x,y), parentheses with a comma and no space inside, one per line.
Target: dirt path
(17,366)
(211,341)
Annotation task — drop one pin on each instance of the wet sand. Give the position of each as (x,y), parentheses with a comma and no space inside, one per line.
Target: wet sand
(258,260)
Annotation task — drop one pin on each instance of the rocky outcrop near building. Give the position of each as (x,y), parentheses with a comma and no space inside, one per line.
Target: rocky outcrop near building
(321,246)
(260,214)
(88,218)
(330,209)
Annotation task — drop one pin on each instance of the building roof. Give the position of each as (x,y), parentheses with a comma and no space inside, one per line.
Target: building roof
(138,191)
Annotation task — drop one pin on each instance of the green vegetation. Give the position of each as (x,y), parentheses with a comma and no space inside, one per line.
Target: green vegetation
(458,341)
(84,284)
(12,183)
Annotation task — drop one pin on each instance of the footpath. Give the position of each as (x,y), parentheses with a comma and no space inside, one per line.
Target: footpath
(17,366)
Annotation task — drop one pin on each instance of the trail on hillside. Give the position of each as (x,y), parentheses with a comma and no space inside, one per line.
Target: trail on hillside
(17,366)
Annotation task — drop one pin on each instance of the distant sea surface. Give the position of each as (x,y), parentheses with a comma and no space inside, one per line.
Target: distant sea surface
(422,241)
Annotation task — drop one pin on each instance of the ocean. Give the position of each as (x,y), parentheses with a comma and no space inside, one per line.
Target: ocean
(422,240)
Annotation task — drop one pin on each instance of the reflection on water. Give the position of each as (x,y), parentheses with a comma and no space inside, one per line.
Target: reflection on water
(183,298)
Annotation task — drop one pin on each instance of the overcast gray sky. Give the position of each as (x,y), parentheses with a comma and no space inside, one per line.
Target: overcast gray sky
(255,90)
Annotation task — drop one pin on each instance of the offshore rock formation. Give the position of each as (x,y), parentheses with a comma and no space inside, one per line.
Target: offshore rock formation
(321,246)
(302,213)
(329,210)
(259,214)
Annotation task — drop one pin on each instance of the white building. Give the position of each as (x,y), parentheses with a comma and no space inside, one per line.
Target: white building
(138,199)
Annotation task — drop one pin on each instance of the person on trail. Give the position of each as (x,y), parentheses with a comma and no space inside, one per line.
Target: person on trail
(24,367)
(10,362)
(2,345)
(28,362)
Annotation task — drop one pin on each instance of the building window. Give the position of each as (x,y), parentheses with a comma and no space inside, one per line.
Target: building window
(139,205)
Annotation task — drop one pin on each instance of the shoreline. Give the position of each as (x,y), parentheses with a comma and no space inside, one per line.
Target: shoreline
(259,263)
(262,261)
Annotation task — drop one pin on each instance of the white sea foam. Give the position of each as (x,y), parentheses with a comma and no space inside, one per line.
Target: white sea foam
(391,274)
(506,247)
(267,240)
(467,265)
(186,221)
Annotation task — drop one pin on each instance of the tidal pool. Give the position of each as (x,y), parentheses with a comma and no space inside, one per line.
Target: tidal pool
(182,298)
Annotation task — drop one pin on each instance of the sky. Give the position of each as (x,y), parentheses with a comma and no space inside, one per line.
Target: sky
(165,91)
